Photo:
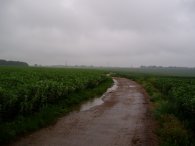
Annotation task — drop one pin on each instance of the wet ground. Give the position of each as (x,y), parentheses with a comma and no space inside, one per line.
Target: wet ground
(98,100)
(121,118)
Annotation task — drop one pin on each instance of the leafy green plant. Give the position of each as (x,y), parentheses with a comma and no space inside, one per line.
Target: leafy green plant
(31,98)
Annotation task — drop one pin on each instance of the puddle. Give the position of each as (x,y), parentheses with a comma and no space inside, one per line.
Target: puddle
(99,100)
(132,86)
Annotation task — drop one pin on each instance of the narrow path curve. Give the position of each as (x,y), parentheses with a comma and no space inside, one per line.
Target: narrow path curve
(122,120)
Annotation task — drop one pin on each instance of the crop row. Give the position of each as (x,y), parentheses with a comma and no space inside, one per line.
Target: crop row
(25,91)
(180,93)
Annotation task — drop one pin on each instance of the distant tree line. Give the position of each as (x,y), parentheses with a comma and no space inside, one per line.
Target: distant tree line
(12,63)
(162,67)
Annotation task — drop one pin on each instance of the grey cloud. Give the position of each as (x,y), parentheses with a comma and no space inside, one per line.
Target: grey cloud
(103,32)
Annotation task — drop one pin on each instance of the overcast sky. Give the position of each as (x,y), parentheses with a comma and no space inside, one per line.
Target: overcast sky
(122,33)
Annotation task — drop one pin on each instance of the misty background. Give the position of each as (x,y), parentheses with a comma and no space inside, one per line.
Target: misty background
(123,33)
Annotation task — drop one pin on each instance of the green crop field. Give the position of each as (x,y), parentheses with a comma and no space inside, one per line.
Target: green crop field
(177,101)
(33,97)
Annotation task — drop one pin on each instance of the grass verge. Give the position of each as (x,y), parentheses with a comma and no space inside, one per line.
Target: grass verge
(48,115)
(171,131)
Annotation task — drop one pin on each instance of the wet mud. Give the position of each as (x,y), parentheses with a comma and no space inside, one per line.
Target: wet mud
(98,100)
(122,119)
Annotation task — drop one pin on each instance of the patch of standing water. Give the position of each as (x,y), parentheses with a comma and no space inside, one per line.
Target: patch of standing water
(99,100)
(132,86)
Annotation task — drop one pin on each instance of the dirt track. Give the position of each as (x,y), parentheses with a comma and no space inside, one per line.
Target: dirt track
(122,120)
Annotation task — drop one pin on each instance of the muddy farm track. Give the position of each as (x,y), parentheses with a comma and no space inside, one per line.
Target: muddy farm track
(122,120)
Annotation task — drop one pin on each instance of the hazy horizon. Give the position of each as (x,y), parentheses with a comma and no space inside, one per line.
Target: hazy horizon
(126,33)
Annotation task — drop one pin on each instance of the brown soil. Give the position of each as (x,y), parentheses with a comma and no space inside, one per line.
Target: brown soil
(122,120)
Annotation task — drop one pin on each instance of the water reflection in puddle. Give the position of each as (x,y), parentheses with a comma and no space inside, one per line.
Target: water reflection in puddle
(132,86)
(99,100)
